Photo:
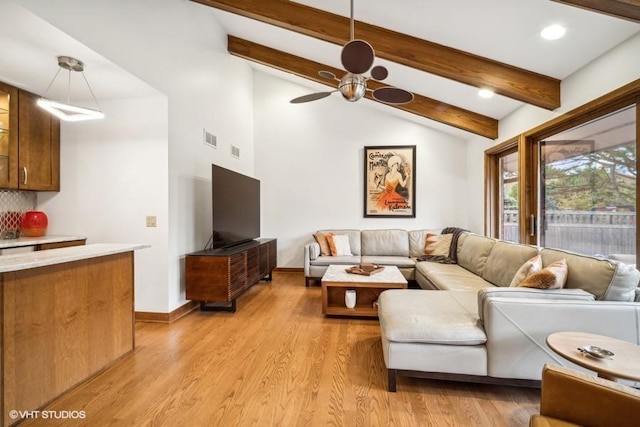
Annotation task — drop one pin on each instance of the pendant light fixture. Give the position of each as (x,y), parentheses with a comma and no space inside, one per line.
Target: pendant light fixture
(66,110)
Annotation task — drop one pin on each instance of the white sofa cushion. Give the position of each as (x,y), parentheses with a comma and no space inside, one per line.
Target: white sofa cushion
(385,242)
(398,261)
(504,261)
(430,317)
(448,277)
(473,251)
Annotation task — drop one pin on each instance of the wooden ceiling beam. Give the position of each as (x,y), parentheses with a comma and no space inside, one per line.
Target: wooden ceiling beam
(474,70)
(625,9)
(421,105)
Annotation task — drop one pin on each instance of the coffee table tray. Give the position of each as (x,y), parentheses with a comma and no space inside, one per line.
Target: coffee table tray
(357,270)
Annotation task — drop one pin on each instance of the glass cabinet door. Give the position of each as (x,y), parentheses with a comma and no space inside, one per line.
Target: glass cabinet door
(8,137)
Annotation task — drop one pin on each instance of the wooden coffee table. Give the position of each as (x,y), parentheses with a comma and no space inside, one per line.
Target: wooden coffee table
(336,281)
(625,364)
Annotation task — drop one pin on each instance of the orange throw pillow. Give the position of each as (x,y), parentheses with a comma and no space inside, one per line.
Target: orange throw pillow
(554,276)
(321,238)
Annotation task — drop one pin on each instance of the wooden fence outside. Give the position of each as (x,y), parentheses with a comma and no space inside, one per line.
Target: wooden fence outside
(587,232)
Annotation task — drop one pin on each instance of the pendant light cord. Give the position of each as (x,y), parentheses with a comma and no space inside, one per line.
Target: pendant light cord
(52,80)
(46,92)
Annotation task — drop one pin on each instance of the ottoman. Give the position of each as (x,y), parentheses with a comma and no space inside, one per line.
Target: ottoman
(431,334)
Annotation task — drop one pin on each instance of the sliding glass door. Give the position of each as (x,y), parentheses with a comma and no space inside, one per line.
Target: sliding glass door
(587,187)
(508,196)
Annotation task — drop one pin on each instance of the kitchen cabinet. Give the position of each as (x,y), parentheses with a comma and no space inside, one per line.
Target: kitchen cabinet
(38,146)
(8,136)
(29,143)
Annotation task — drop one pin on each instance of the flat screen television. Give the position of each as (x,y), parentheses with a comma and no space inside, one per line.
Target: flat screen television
(235,207)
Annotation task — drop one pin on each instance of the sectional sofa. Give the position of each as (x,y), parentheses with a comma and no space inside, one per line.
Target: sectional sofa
(383,247)
(467,323)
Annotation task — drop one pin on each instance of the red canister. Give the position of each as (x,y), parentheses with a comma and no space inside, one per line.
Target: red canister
(34,224)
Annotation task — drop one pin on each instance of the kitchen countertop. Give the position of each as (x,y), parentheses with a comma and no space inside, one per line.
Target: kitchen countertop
(25,261)
(32,241)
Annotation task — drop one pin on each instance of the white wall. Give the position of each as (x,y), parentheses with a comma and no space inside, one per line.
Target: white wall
(113,176)
(612,70)
(178,47)
(309,158)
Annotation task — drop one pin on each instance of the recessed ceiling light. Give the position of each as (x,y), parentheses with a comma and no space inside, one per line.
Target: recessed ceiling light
(485,93)
(553,32)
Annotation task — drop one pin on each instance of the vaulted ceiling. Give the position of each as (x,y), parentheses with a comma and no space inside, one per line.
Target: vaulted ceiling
(443,52)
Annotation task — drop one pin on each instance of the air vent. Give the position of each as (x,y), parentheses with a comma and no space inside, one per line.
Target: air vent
(235,152)
(209,139)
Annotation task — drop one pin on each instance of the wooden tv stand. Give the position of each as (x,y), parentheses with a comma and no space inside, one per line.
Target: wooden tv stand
(216,277)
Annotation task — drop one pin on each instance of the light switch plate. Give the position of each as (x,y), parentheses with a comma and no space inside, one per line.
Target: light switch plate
(151,221)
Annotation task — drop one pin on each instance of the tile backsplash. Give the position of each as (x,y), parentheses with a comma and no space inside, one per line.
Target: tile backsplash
(12,205)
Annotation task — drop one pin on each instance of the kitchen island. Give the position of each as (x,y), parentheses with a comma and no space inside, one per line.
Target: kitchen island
(42,243)
(67,314)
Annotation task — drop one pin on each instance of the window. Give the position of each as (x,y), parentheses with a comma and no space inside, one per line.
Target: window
(588,186)
(573,180)
(503,191)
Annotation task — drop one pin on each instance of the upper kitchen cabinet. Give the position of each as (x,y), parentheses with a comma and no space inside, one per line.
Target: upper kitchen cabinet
(8,136)
(29,143)
(38,146)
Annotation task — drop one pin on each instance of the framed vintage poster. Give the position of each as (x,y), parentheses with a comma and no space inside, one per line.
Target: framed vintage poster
(390,181)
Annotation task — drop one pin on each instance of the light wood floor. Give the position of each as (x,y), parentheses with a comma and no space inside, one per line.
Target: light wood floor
(277,362)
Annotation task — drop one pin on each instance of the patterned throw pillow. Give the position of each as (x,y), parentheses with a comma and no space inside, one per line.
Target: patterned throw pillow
(437,244)
(531,266)
(339,244)
(553,276)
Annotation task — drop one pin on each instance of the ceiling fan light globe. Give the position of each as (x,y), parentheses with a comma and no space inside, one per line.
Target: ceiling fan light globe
(353,86)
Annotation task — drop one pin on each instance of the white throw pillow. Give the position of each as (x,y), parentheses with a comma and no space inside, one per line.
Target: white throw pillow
(339,244)
(533,265)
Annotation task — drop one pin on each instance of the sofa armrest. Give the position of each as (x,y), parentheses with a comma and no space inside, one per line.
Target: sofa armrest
(517,329)
(311,252)
(533,293)
(583,399)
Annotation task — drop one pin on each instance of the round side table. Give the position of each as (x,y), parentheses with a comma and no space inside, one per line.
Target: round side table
(625,364)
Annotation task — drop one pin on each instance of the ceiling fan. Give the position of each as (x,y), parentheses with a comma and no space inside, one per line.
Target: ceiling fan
(357,58)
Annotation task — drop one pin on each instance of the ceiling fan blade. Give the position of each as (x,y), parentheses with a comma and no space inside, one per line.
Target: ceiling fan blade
(392,95)
(310,97)
(379,72)
(357,56)
(327,75)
